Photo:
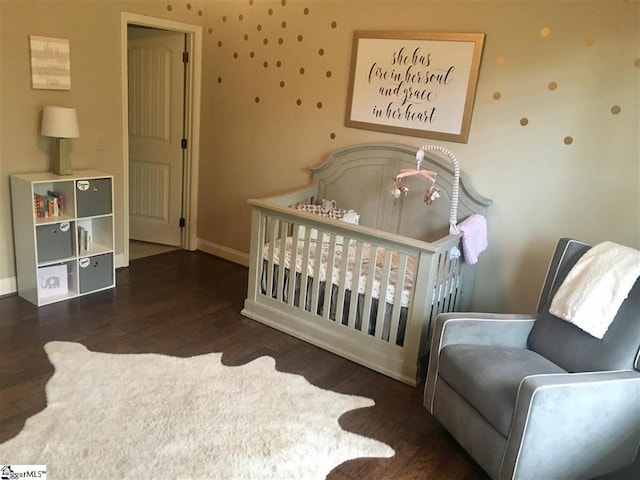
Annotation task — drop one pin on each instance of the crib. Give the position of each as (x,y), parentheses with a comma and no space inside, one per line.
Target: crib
(370,291)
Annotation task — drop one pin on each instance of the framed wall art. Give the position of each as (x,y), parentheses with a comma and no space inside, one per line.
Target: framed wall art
(413,83)
(50,63)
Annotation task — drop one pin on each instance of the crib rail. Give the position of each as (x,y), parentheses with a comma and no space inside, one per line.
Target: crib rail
(364,294)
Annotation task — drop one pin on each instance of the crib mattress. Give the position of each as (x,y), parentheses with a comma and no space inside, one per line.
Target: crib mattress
(347,252)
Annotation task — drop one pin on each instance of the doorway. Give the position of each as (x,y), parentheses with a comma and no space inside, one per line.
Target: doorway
(161,94)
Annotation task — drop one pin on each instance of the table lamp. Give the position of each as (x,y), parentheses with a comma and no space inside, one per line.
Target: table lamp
(61,123)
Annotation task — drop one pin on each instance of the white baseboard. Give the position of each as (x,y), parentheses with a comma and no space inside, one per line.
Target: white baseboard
(8,285)
(221,251)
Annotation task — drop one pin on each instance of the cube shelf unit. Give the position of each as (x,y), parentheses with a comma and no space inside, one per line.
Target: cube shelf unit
(71,251)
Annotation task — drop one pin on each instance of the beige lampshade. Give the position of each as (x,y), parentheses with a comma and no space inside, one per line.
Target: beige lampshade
(60,122)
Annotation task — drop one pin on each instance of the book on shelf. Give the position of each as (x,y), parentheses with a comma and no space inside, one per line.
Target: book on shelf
(49,205)
(84,239)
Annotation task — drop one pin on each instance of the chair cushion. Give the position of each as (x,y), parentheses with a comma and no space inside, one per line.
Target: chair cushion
(573,349)
(488,377)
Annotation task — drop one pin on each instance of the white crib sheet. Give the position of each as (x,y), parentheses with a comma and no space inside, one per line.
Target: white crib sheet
(351,254)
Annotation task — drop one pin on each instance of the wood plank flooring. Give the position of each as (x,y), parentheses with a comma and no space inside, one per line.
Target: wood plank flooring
(188,303)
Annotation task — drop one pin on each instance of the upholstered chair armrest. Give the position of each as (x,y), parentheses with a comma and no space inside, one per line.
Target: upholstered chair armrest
(574,425)
(508,330)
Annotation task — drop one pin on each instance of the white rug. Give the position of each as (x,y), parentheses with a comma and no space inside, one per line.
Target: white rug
(149,416)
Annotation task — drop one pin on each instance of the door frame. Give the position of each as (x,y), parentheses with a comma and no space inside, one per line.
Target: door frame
(192,118)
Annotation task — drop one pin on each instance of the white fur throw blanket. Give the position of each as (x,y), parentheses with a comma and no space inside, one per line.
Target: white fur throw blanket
(596,286)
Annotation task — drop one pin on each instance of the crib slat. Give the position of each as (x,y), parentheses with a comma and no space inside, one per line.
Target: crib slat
(397,298)
(371,271)
(328,284)
(317,270)
(355,285)
(271,240)
(283,230)
(304,274)
(291,287)
(382,295)
(342,278)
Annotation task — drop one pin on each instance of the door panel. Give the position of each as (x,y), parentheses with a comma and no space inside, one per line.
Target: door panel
(156,93)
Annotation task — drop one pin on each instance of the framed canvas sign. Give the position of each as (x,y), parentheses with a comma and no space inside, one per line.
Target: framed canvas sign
(50,63)
(413,83)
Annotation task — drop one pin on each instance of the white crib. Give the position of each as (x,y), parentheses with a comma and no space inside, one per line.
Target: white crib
(366,292)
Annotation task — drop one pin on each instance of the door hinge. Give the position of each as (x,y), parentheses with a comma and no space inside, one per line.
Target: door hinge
(182,223)
(183,143)
(185,57)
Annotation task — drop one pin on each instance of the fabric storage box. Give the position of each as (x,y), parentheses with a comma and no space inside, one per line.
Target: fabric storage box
(52,281)
(54,241)
(93,197)
(95,272)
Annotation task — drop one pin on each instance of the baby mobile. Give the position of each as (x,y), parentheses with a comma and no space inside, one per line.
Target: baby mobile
(399,187)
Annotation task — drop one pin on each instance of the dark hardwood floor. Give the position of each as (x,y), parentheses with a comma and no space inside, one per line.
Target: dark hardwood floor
(188,303)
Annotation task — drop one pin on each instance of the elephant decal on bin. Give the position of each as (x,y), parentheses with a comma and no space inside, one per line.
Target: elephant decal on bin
(51,282)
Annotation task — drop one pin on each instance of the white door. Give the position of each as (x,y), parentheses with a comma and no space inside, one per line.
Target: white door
(156,124)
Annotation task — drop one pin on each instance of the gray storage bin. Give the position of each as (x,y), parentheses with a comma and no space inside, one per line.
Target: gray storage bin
(95,273)
(93,197)
(54,241)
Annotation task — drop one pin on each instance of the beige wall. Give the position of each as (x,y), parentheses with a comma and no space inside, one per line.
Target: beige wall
(542,188)
(94,31)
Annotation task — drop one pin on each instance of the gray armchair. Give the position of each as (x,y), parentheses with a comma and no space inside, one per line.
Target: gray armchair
(535,397)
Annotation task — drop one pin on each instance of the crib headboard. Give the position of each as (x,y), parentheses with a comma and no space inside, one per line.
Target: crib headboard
(360,177)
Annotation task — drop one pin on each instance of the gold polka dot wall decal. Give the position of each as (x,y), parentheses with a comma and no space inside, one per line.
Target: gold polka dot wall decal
(240,17)
(545,32)
(301,71)
(265,64)
(278,64)
(219,43)
(321,52)
(552,86)
(524,121)
(169,8)
(280,41)
(246,37)
(270,11)
(259,27)
(328,74)
(500,61)
(250,2)
(497,95)
(332,136)
(283,2)
(224,18)
(235,54)
(319,105)
(306,11)
(210,30)
(300,38)
(281,84)
(616,109)
(200,13)
(257,99)
(219,79)
(188,6)
(265,41)
(298,102)
(334,24)
(252,54)
(283,24)
(568,140)
(589,41)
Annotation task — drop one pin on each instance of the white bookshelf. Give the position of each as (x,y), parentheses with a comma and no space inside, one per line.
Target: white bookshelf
(54,260)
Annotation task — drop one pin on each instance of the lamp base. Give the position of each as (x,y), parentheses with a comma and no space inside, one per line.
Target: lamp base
(63,164)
